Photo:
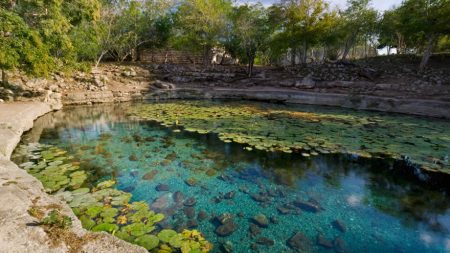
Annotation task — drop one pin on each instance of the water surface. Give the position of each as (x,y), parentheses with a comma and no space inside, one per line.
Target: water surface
(352,204)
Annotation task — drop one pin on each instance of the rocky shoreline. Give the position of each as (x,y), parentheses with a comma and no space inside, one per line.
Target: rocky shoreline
(21,192)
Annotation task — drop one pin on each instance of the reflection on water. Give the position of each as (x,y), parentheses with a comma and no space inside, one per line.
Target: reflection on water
(272,202)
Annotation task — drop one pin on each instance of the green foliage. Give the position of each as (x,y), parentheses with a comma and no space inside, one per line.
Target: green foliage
(250,33)
(201,24)
(21,47)
(56,219)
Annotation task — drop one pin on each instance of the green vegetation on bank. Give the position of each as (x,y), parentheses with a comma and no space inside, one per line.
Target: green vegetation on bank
(45,36)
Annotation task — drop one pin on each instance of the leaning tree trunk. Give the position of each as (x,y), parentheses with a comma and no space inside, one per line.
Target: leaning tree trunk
(348,46)
(427,53)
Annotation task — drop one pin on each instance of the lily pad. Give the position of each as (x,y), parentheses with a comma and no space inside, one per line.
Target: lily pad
(147,241)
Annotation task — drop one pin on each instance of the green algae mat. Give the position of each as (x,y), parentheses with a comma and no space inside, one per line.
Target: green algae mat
(423,142)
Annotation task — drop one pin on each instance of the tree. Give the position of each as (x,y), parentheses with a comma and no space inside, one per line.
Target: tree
(359,22)
(251,31)
(20,47)
(425,21)
(303,24)
(201,25)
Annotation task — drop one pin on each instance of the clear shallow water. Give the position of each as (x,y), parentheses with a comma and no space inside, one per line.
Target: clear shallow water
(384,208)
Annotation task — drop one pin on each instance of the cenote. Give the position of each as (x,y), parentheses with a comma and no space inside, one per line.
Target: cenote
(280,179)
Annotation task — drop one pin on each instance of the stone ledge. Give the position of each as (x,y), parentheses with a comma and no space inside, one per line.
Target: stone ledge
(19,191)
(419,107)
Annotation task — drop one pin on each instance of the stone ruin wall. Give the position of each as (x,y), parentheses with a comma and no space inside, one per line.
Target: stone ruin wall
(161,56)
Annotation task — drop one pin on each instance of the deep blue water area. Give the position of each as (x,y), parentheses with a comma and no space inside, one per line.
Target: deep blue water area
(334,203)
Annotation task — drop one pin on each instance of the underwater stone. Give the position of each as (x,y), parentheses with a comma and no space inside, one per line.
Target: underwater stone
(189,211)
(324,242)
(260,198)
(150,175)
(261,220)
(190,202)
(227,247)
(178,197)
(202,215)
(191,181)
(229,195)
(192,223)
(133,158)
(339,245)
(211,172)
(226,229)
(265,241)
(299,242)
(307,206)
(254,230)
(224,218)
(339,225)
(162,187)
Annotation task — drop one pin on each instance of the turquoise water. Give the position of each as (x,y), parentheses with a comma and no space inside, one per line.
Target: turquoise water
(380,205)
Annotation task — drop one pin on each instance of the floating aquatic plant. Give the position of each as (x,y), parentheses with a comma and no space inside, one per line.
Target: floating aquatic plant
(102,208)
(322,131)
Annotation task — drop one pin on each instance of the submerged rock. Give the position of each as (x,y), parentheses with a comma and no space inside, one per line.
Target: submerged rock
(192,223)
(339,225)
(299,242)
(254,230)
(189,211)
(226,229)
(190,202)
(339,245)
(265,241)
(178,197)
(202,215)
(324,242)
(224,218)
(191,181)
(308,206)
(133,158)
(229,195)
(162,187)
(227,247)
(261,220)
(150,175)
(260,198)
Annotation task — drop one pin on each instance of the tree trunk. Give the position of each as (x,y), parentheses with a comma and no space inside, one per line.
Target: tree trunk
(4,77)
(305,52)
(251,62)
(206,60)
(348,46)
(293,52)
(100,58)
(427,53)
